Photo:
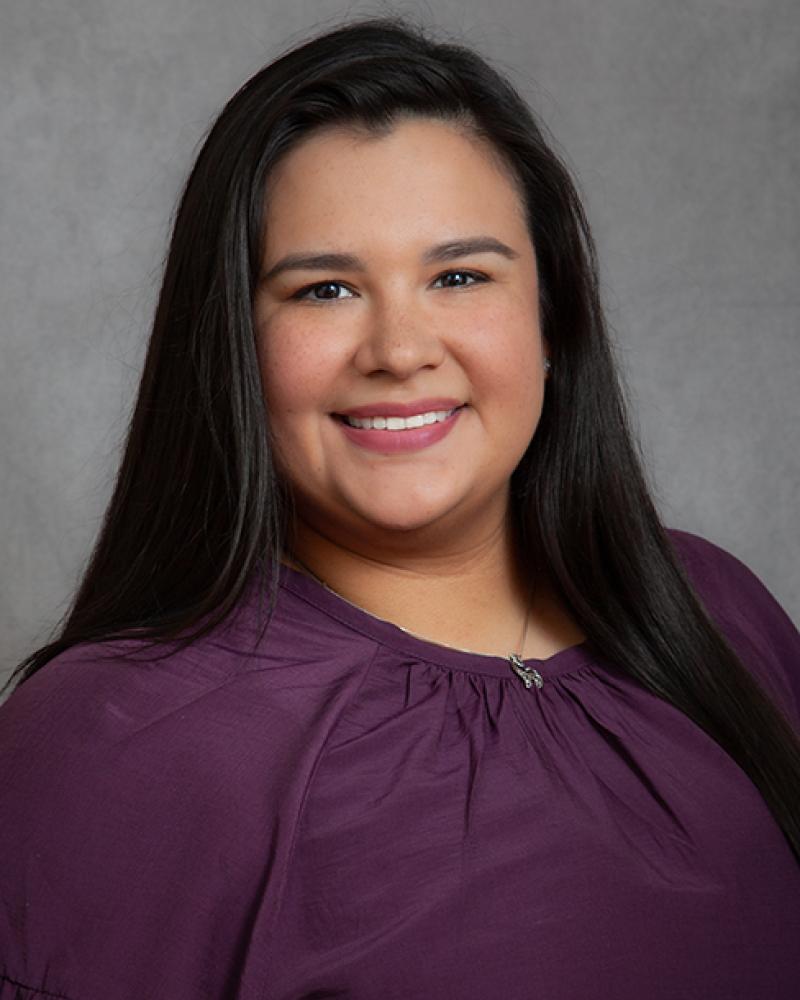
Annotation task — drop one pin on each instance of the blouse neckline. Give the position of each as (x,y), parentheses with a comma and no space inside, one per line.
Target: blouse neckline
(388,634)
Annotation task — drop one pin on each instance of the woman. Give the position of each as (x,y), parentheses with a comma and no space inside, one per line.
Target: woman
(385,679)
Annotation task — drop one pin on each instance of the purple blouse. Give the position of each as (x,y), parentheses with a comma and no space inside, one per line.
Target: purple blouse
(349,811)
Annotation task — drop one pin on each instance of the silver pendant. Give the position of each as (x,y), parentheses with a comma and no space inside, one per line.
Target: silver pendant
(528,674)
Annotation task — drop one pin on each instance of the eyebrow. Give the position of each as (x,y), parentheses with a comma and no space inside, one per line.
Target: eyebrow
(349,262)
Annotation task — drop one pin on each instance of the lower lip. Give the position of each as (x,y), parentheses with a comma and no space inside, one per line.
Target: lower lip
(391,442)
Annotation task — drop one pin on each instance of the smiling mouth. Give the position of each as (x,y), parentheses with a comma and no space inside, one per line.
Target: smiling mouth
(399,423)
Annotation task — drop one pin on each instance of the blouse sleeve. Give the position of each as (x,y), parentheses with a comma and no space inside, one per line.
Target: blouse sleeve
(750,617)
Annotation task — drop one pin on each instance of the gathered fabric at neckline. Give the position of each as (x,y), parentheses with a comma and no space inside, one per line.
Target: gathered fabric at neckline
(388,634)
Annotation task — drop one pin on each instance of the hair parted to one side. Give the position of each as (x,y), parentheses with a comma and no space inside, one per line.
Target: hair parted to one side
(197,506)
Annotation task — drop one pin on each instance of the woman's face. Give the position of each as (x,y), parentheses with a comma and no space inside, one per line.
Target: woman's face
(398,320)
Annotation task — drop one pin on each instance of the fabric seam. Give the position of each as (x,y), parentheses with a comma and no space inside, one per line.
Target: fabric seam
(33,989)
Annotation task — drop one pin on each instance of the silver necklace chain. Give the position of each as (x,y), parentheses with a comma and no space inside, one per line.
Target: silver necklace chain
(528,675)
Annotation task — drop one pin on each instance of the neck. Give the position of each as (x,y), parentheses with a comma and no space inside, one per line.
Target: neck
(471,598)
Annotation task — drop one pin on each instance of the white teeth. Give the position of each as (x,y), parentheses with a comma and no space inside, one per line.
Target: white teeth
(400,423)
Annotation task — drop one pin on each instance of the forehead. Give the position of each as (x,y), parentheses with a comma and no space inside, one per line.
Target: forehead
(422,175)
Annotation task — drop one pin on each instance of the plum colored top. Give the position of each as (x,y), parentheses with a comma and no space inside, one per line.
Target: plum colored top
(350,811)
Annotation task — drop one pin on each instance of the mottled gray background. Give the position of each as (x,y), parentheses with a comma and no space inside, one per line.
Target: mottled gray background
(680,121)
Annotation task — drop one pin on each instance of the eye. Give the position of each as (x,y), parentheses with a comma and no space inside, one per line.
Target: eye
(475,277)
(325,286)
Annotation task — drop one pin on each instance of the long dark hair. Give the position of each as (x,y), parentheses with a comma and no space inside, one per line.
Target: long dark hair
(198,507)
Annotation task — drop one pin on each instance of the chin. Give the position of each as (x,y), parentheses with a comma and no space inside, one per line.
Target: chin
(404,516)
(400,521)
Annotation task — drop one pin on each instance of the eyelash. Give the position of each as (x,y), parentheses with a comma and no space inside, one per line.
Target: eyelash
(302,292)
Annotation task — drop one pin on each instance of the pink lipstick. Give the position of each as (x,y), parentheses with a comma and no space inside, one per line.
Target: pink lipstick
(390,428)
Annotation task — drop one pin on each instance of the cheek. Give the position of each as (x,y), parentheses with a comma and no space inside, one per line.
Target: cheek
(289,380)
(506,351)
(294,375)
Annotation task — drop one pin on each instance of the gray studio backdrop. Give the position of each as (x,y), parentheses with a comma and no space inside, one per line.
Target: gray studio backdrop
(680,121)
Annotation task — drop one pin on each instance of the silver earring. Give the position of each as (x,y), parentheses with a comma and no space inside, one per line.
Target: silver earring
(547,365)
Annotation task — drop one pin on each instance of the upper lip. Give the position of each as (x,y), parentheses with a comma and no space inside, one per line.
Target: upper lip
(390,409)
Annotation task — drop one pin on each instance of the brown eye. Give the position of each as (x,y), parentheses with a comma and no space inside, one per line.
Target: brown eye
(328,289)
(463,278)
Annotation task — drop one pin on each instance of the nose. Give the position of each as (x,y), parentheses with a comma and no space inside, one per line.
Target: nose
(399,339)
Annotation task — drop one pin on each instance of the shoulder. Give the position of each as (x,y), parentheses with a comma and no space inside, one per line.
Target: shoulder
(724,580)
(148,786)
(120,706)
(103,692)
(746,611)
